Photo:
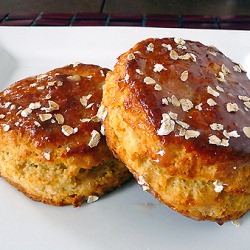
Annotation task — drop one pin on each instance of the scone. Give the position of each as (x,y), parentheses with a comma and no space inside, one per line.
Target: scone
(52,147)
(178,117)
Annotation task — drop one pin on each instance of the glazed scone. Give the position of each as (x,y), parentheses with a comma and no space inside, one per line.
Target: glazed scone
(52,147)
(178,117)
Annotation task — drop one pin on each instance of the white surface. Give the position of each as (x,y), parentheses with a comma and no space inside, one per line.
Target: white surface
(127,219)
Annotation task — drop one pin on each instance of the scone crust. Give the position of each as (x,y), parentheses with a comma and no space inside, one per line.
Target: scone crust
(178,118)
(52,148)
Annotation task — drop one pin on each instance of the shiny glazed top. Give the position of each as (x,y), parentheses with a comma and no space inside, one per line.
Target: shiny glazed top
(190,91)
(56,108)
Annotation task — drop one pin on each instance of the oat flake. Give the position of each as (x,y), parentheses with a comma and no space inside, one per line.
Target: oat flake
(92,198)
(232,107)
(26,112)
(45,117)
(59,118)
(158,67)
(212,91)
(67,130)
(95,138)
(150,47)
(184,75)
(75,78)
(131,56)
(218,186)
(173,55)
(246,131)
(186,104)
(211,102)
(167,125)
(191,134)
(168,46)
(216,126)
(6,127)
(149,80)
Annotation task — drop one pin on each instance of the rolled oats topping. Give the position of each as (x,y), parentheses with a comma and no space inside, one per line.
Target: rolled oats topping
(185,56)
(131,57)
(37,124)
(225,70)
(164,101)
(52,106)
(6,127)
(12,107)
(46,155)
(213,139)
(168,46)
(242,69)
(85,120)
(102,113)
(59,83)
(158,67)
(89,105)
(148,80)
(216,126)
(41,76)
(35,105)
(219,88)
(179,41)
(244,98)
(174,100)
(246,131)
(182,124)
(84,100)
(212,92)
(75,78)
(41,87)
(218,186)
(173,115)
(232,107)
(150,47)
(59,118)
(92,198)
(26,112)
(247,104)
(221,77)
(184,76)
(68,130)
(173,55)
(167,125)
(126,78)
(186,104)
(157,87)
(199,106)
(191,134)
(47,97)
(233,133)
(138,71)
(51,83)
(211,102)
(45,117)
(237,68)
(193,57)
(95,138)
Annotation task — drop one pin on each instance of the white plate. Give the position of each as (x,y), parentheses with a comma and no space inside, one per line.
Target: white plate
(127,219)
